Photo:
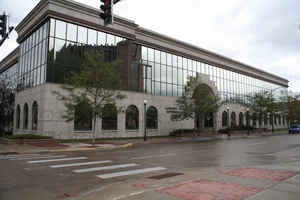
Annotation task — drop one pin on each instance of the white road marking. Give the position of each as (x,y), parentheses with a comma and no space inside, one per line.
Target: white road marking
(156,156)
(41,157)
(105,168)
(257,143)
(81,164)
(131,172)
(22,155)
(55,160)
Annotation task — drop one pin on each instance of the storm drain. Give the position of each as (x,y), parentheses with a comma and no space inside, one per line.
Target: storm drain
(167,175)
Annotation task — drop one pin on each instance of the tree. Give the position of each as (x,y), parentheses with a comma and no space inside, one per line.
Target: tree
(294,111)
(197,102)
(7,103)
(265,104)
(89,90)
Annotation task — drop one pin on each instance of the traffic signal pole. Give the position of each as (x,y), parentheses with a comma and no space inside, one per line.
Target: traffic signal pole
(6,35)
(107,11)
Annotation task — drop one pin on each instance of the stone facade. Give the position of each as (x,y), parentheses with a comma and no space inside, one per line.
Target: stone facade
(51,123)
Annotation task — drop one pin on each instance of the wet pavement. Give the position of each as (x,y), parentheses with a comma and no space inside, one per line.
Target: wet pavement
(238,169)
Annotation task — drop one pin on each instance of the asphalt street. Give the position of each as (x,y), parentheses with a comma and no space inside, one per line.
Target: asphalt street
(258,166)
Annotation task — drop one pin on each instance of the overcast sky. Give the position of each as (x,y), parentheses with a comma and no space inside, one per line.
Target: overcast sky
(261,33)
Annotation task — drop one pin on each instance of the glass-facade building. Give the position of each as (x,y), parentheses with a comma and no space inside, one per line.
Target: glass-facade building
(57,48)
(53,42)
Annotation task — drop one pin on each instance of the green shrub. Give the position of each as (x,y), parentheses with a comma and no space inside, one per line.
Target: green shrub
(27,136)
(181,132)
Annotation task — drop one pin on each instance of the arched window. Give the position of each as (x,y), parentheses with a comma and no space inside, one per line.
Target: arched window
(132,118)
(18,117)
(279,120)
(25,116)
(110,117)
(265,119)
(152,118)
(241,119)
(83,117)
(233,119)
(271,119)
(34,115)
(254,118)
(224,119)
(283,120)
(260,119)
(275,119)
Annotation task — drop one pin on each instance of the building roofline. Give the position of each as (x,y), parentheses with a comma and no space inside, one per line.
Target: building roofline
(91,11)
(10,59)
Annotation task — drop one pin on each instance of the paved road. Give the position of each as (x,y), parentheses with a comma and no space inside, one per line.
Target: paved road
(260,168)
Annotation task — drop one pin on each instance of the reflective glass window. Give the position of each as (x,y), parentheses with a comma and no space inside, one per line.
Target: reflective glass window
(163,71)
(151,54)
(163,91)
(184,63)
(82,34)
(163,58)
(144,53)
(60,29)
(169,74)
(92,37)
(110,40)
(157,72)
(72,32)
(174,59)
(157,56)
(169,59)
(52,27)
(101,38)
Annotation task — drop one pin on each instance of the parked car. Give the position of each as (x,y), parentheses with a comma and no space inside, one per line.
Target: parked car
(294,129)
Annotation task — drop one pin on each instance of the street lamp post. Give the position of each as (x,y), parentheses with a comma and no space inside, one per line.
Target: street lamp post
(227,108)
(248,131)
(145,120)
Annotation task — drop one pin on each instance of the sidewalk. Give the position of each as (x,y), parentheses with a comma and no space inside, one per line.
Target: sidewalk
(114,144)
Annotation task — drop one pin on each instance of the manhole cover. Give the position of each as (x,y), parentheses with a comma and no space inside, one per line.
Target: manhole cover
(167,175)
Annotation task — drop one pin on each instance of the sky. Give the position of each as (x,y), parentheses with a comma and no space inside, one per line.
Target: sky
(263,34)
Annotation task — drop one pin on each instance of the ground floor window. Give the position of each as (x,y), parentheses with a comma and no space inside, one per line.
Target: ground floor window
(241,119)
(110,117)
(83,117)
(18,117)
(25,116)
(152,118)
(132,118)
(233,119)
(34,116)
(224,119)
(208,120)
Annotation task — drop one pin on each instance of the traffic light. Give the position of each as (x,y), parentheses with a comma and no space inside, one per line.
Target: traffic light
(3,25)
(107,11)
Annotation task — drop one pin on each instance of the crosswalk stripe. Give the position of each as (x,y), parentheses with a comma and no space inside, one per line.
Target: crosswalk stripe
(131,172)
(41,157)
(22,155)
(55,160)
(105,168)
(81,164)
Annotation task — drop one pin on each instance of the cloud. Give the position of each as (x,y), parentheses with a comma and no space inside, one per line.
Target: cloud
(263,34)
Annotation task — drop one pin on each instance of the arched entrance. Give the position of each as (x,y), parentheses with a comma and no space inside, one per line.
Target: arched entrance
(204,101)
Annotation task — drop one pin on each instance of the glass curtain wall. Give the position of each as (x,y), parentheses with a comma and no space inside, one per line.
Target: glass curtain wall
(32,63)
(11,75)
(170,73)
(69,42)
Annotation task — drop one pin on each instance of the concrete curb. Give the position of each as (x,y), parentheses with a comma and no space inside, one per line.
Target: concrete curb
(72,149)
